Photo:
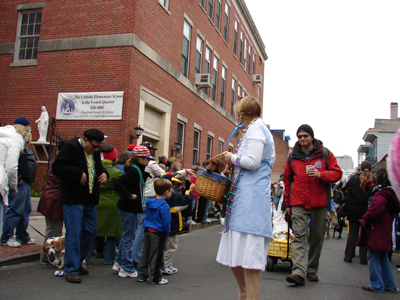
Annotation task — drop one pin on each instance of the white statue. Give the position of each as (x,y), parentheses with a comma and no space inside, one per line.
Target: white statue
(43,124)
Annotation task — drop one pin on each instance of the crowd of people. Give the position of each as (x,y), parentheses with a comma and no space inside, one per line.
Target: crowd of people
(128,209)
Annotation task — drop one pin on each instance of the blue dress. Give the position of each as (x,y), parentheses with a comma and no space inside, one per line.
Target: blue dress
(250,227)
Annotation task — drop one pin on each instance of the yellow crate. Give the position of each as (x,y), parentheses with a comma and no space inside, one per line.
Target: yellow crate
(278,248)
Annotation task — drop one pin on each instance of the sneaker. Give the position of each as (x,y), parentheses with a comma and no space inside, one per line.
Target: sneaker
(166,271)
(191,222)
(174,270)
(143,280)
(29,242)
(124,274)
(162,281)
(207,221)
(116,266)
(11,243)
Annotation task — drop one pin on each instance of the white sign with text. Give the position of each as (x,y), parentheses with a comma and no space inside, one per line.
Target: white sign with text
(90,106)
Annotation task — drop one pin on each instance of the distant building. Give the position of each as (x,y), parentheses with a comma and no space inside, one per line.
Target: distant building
(281,151)
(378,139)
(345,162)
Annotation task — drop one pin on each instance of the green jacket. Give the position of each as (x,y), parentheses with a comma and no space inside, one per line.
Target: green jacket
(108,221)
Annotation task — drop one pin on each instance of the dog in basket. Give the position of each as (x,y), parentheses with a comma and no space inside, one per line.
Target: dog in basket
(216,165)
(55,250)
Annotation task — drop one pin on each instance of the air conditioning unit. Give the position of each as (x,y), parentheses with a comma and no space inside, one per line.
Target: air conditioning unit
(257,78)
(203,80)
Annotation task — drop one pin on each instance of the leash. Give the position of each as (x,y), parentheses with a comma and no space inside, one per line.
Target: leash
(29,224)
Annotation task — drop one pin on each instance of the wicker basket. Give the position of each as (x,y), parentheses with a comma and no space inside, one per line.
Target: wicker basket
(211,186)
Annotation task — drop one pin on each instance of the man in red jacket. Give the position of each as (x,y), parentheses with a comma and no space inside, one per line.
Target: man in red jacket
(308,173)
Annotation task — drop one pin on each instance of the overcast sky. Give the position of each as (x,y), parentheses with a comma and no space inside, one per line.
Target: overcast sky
(334,65)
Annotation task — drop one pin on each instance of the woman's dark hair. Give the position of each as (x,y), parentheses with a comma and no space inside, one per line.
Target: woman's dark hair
(130,162)
(382,177)
(124,156)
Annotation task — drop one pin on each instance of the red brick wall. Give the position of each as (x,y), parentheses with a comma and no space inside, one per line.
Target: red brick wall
(281,152)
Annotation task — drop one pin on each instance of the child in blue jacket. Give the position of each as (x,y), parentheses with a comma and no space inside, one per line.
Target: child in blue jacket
(157,226)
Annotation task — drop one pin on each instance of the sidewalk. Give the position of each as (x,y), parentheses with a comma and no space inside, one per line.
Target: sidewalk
(26,253)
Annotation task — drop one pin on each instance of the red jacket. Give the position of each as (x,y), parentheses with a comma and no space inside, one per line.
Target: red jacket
(310,192)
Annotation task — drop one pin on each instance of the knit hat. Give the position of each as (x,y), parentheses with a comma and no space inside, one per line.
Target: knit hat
(305,128)
(111,155)
(94,134)
(170,176)
(131,146)
(22,121)
(366,165)
(142,151)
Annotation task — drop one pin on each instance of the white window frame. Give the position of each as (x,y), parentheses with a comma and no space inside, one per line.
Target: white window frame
(220,147)
(223,85)
(186,35)
(215,77)
(199,50)
(236,38)
(233,97)
(226,22)
(17,45)
(211,10)
(196,148)
(209,147)
(164,3)
(183,135)
(218,17)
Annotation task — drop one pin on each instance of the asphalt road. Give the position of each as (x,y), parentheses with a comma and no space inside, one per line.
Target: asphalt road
(199,277)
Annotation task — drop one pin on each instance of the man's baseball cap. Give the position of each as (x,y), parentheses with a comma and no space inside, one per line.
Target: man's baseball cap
(131,146)
(148,145)
(142,151)
(22,121)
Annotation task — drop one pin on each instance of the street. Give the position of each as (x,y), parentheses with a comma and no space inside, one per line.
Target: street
(199,277)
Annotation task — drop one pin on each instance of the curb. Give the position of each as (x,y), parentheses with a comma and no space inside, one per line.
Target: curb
(20,258)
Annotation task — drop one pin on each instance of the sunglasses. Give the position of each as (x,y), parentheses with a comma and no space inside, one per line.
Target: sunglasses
(94,146)
(303,136)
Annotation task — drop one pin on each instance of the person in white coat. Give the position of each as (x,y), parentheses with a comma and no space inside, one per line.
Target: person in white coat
(11,145)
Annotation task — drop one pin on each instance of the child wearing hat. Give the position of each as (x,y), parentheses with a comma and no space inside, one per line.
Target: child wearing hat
(130,187)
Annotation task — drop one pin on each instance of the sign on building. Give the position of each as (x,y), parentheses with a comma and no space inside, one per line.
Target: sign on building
(90,106)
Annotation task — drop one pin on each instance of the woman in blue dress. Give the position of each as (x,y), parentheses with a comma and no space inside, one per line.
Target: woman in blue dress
(248,227)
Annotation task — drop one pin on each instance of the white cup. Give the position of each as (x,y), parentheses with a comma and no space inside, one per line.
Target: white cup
(309,167)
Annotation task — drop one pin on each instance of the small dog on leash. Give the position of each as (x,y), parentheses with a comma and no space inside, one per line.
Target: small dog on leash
(339,227)
(215,165)
(331,220)
(55,250)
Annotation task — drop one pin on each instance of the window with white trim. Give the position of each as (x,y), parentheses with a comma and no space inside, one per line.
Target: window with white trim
(180,132)
(203,4)
(196,143)
(223,83)
(235,40)
(207,65)
(254,63)
(226,23)
(26,45)
(245,54)
(199,54)
(209,147)
(233,95)
(185,48)
(218,16)
(259,93)
(239,92)
(230,149)
(241,48)
(164,3)
(249,61)
(220,145)
(215,78)
(211,9)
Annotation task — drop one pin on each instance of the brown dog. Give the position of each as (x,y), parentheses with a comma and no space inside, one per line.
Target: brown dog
(55,250)
(215,165)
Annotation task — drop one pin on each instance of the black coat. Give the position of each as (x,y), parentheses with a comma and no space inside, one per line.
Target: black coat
(69,165)
(177,199)
(128,184)
(357,201)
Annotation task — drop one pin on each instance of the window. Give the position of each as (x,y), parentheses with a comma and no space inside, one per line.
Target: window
(245,54)
(223,86)
(207,65)
(218,16)
(236,38)
(196,142)
(220,145)
(203,3)
(209,147)
(241,48)
(230,149)
(211,9)
(199,54)
(185,48)
(28,35)
(239,92)
(233,95)
(226,22)
(254,63)
(259,93)
(164,3)
(249,61)
(179,135)
(215,79)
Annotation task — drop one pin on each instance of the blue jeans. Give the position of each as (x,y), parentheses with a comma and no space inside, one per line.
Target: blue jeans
(21,204)
(380,272)
(138,242)
(80,231)
(125,249)
(193,207)
(205,217)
